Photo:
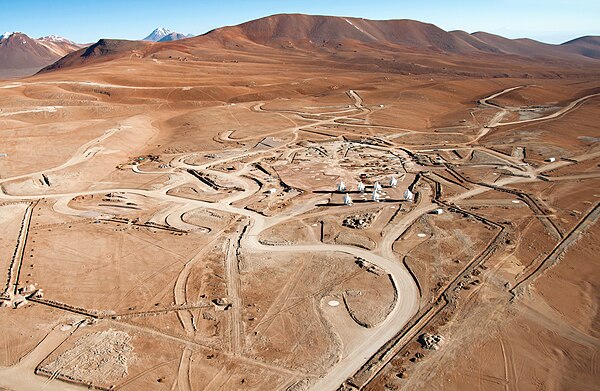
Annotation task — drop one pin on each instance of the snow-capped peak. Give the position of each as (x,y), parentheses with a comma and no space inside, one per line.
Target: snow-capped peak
(158,34)
(163,31)
(7,34)
(54,38)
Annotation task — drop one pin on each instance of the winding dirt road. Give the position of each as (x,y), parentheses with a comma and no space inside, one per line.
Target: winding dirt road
(383,257)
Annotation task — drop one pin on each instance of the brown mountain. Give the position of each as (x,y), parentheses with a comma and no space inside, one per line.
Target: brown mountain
(103,50)
(21,55)
(309,31)
(588,46)
(390,44)
(408,33)
(318,30)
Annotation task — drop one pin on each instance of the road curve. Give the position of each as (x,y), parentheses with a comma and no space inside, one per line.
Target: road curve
(405,307)
(560,112)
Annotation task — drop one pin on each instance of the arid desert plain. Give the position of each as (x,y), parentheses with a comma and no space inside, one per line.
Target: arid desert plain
(222,214)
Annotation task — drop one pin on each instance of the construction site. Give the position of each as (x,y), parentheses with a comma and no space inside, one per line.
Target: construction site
(339,230)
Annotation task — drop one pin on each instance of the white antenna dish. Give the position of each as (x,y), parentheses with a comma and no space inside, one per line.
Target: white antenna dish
(347,200)
(375,197)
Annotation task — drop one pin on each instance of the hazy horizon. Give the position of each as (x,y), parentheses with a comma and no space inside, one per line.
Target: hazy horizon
(550,21)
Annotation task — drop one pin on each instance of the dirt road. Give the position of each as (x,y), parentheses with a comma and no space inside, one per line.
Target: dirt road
(559,113)
(383,257)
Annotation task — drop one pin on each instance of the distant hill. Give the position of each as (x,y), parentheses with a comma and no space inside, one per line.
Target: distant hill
(393,45)
(104,49)
(21,55)
(310,30)
(588,46)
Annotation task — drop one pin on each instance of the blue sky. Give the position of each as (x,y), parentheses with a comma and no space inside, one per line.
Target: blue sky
(84,21)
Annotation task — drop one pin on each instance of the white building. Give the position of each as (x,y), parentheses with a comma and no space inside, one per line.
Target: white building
(361,187)
(408,195)
(376,186)
(342,187)
(393,182)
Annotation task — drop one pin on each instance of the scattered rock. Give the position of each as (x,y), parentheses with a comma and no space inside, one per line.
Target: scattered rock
(402,375)
(100,358)
(431,341)
(364,264)
(361,221)
(353,293)
(300,385)
(208,316)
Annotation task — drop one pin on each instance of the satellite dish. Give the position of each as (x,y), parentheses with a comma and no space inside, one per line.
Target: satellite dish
(347,200)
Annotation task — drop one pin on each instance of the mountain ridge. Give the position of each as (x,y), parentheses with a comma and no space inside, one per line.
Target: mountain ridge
(335,35)
(21,54)
(405,32)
